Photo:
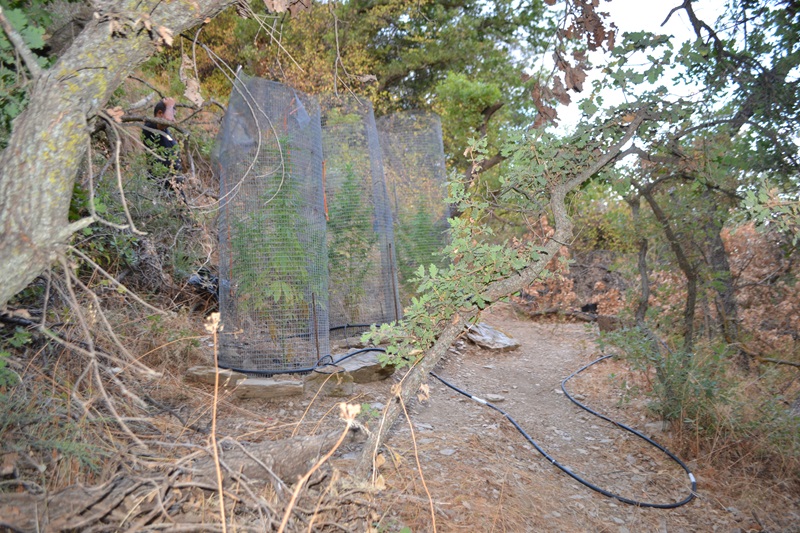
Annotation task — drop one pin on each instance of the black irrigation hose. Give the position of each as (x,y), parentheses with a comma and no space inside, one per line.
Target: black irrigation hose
(319,364)
(566,470)
(328,360)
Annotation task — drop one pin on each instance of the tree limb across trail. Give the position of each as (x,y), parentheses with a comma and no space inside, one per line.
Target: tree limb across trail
(495,291)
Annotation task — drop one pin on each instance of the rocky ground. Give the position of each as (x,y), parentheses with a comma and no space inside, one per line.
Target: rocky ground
(482,475)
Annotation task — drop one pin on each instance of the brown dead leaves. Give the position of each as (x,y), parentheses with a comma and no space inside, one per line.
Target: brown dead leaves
(186,73)
(586,27)
(292,6)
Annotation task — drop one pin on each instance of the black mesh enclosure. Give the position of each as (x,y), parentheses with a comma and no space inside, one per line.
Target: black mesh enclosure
(414,166)
(362,286)
(272,242)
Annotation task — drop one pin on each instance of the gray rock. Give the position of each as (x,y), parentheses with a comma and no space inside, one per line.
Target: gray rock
(266,389)
(488,337)
(365,368)
(655,428)
(207,374)
(330,383)
(494,398)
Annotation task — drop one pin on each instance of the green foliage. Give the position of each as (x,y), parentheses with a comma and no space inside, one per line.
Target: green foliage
(398,54)
(689,388)
(369,413)
(29,22)
(417,245)
(17,340)
(475,262)
(475,256)
(774,210)
(268,281)
(7,377)
(603,220)
(351,242)
(461,101)
(275,286)
(705,394)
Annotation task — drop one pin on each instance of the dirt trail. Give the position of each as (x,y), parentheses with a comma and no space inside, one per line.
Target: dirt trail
(483,476)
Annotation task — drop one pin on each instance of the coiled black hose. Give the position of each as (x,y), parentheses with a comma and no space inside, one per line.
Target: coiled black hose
(329,360)
(325,360)
(566,470)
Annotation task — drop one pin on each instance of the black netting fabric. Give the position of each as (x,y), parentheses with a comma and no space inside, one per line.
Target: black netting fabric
(273,293)
(362,286)
(322,211)
(414,168)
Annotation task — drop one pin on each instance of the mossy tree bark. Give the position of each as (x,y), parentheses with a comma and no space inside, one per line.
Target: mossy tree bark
(50,138)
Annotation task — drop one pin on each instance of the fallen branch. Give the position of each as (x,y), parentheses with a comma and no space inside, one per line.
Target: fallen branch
(126,498)
(779,361)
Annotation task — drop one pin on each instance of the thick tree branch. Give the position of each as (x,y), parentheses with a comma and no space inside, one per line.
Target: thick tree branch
(687,267)
(494,291)
(48,142)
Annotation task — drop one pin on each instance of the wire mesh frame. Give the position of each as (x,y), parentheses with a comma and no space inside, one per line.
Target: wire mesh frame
(272,246)
(363,286)
(414,168)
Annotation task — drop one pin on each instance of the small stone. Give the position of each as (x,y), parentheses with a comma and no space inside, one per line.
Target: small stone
(616,520)
(494,398)
(558,391)
(423,427)
(447,451)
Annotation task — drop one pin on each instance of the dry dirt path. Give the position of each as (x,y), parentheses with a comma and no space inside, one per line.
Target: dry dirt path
(483,476)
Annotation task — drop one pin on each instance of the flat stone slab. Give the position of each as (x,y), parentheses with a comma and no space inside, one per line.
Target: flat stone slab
(329,381)
(266,389)
(365,368)
(206,374)
(488,337)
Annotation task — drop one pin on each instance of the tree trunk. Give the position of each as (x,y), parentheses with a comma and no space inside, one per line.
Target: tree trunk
(722,281)
(684,263)
(644,297)
(49,139)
